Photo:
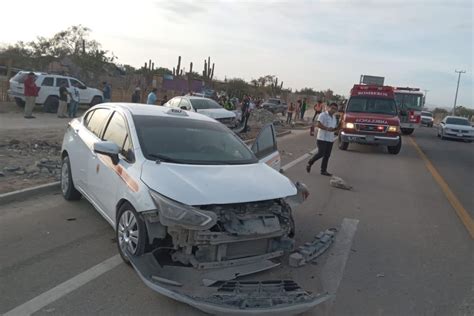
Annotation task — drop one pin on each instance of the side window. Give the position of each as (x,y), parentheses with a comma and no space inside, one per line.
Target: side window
(48,82)
(185,103)
(87,118)
(265,143)
(60,81)
(77,83)
(97,121)
(117,132)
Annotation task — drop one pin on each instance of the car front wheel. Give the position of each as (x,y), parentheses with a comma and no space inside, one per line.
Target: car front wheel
(131,232)
(68,190)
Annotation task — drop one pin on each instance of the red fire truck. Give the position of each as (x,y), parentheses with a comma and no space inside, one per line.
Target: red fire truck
(410,103)
(371,117)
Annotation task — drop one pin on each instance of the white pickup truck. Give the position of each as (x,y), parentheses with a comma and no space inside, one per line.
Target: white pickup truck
(48,95)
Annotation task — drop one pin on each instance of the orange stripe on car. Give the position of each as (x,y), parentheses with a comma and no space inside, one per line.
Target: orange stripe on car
(120,171)
(274,159)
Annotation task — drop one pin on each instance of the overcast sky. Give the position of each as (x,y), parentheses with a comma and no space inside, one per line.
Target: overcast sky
(319,44)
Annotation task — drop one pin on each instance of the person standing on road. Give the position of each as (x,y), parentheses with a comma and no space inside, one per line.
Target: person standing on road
(106,91)
(327,125)
(152,98)
(63,93)
(31,92)
(164,100)
(298,110)
(303,108)
(291,109)
(74,104)
(136,96)
(318,108)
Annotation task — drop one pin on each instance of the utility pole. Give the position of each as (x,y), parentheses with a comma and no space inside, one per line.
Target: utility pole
(459,72)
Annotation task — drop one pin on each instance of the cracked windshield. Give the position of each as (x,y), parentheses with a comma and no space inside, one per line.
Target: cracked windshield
(237,157)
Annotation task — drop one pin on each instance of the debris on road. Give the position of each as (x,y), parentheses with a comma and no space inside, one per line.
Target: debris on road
(339,183)
(311,250)
(380,275)
(261,117)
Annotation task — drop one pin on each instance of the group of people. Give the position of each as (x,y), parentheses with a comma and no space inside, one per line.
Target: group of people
(297,109)
(65,109)
(152,97)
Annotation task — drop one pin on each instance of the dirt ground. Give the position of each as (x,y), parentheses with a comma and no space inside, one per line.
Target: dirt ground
(30,149)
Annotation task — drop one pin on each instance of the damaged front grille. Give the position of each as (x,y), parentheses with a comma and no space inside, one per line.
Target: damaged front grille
(242,230)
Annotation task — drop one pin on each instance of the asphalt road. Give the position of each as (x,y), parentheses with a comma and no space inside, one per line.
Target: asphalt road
(411,254)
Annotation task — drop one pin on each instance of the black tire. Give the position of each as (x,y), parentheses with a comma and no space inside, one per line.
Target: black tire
(68,189)
(442,136)
(19,102)
(96,100)
(407,131)
(121,230)
(394,150)
(343,145)
(51,104)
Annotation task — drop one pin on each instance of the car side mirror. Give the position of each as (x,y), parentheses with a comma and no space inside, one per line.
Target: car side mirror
(184,108)
(108,148)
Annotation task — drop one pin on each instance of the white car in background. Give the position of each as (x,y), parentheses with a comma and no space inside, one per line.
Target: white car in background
(427,118)
(456,127)
(204,106)
(48,94)
(191,204)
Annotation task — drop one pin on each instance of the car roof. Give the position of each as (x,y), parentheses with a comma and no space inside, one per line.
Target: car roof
(459,117)
(155,110)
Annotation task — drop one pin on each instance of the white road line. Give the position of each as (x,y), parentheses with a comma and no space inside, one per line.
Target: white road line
(62,289)
(298,160)
(79,280)
(333,270)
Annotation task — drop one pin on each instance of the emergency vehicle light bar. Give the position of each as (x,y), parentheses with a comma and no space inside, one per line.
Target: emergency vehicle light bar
(407,88)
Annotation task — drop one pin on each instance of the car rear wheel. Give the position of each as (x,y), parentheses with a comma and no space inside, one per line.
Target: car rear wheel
(394,150)
(407,131)
(51,104)
(96,100)
(19,102)
(68,190)
(131,232)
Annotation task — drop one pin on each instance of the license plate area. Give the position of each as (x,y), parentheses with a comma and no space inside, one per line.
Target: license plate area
(370,138)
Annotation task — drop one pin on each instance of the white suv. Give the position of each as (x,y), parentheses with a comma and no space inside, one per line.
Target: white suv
(48,95)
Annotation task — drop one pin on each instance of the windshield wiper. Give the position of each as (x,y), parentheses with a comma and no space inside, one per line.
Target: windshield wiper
(159,158)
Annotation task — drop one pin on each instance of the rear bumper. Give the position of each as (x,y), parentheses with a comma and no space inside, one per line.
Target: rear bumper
(13,94)
(409,125)
(369,139)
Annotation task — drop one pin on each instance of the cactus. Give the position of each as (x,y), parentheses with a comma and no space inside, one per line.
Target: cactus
(191,67)
(212,72)
(174,71)
(178,68)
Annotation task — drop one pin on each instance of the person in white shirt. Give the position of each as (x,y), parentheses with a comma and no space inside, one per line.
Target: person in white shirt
(327,125)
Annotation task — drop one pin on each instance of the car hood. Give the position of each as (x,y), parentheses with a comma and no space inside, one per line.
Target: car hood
(217,113)
(371,118)
(216,184)
(462,127)
(96,91)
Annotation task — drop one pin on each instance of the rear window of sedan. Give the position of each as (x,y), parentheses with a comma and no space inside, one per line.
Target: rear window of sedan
(457,121)
(201,104)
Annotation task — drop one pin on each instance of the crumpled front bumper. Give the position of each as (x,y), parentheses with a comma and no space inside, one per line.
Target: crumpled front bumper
(184,284)
(369,139)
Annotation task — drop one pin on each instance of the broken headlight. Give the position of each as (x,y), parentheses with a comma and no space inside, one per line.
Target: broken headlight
(175,213)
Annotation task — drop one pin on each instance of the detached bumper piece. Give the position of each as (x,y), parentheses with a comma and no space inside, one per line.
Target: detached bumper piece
(191,286)
(370,139)
(264,298)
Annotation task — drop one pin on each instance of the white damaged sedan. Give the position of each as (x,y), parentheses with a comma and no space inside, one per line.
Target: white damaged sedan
(193,206)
